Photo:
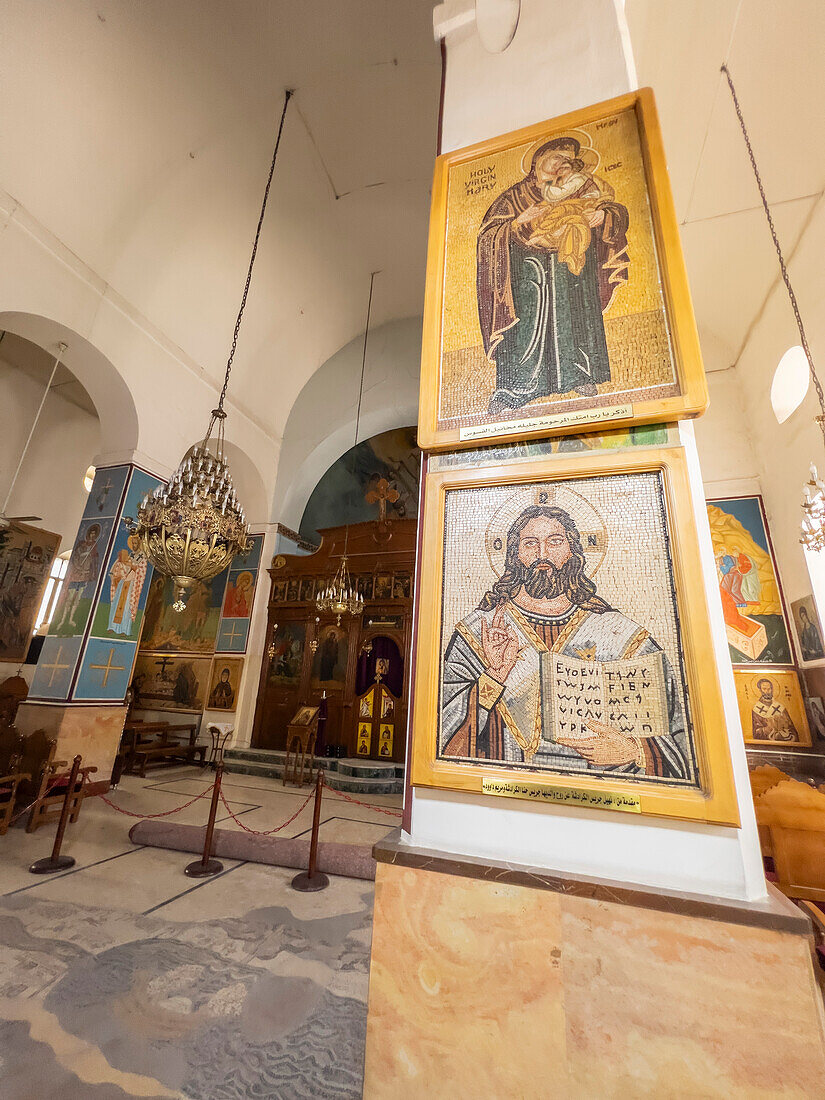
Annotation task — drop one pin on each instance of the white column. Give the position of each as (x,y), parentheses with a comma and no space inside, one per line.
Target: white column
(566,55)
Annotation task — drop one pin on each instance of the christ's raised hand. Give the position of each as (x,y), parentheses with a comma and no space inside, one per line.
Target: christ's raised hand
(500,645)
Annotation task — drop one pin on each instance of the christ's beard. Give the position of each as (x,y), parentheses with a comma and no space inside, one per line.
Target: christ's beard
(544,581)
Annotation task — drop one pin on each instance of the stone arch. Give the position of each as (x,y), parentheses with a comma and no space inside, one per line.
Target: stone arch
(321,424)
(100,378)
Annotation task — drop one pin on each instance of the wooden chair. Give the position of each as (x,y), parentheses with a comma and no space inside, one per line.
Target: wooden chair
(762,779)
(50,797)
(793,813)
(11,773)
(11,752)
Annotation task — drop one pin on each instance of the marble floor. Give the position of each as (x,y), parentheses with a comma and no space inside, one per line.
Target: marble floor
(123,978)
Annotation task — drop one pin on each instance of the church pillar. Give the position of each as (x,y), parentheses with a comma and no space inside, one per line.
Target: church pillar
(519,948)
(83,673)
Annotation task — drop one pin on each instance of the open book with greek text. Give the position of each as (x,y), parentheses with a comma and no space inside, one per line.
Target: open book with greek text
(630,695)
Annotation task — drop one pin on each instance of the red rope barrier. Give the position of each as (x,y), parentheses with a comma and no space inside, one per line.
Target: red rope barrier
(166,813)
(267,832)
(368,805)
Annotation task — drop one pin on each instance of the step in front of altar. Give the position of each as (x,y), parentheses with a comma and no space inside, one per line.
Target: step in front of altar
(352,776)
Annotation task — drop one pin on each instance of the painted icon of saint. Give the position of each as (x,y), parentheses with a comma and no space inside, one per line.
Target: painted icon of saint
(770,720)
(126,579)
(498,696)
(551,253)
(809,638)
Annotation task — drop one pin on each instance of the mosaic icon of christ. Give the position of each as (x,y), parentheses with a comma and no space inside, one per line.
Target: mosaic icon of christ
(497,700)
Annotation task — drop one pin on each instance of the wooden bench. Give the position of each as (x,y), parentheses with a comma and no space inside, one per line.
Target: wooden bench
(165,748)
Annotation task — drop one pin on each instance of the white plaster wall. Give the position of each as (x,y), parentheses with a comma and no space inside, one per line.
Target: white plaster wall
(321,423)
(564,55)
(67,438)
(784,452)
(723,438)
(567,55)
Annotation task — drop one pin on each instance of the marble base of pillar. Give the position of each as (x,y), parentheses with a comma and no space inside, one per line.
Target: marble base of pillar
(498,981)
(92,731)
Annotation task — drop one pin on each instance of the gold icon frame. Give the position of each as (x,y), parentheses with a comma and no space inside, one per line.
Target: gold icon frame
(715,802)
(692,397)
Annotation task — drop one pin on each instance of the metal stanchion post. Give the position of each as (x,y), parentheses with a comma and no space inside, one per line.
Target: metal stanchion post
(57,862)
(205,866)
(311,879)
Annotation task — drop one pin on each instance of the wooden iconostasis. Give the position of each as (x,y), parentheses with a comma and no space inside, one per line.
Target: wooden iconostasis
(312,654)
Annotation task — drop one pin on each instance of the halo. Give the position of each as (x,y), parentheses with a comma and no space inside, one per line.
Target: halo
(591,526)
(775,684)
(587,153)
(245,576)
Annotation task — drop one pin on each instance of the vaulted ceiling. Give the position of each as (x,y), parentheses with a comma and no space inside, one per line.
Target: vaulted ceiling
(775,54)
(140,134)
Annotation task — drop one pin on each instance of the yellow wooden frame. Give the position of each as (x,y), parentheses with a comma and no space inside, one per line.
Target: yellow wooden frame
(693,397)
(772,672)
(716,801)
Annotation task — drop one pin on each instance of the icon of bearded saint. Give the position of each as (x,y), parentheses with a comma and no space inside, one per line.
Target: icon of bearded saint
(495,698)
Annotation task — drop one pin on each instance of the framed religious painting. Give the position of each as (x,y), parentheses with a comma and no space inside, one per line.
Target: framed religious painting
(756,621)
(26,556)
(224,683)
(808,629)
(161,682)
(772,708)
(564,651)
(557,298)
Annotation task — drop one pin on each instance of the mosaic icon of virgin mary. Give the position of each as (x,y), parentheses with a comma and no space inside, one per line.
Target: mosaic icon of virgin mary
(551,253)
(497,700)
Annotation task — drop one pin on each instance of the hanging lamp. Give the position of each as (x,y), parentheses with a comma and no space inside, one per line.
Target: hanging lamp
(341,596)
(191,527)
(812,534)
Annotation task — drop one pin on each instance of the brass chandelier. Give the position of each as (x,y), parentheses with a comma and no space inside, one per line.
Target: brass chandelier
(340,595)
(191,527)
(812,532)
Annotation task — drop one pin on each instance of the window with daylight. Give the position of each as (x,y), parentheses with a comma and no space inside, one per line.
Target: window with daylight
(51,592)
(790,383)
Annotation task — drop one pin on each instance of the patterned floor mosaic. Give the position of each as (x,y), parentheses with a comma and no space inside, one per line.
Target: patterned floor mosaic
(101,1004)
(122,978)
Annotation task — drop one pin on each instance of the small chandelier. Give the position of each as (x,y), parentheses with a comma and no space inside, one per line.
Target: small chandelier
(812,532)
(813,513)
(340,596)
(192,527)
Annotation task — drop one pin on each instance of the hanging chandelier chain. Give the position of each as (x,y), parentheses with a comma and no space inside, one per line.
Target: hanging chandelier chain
(361,383)
(287,96)
(62,347)
(364,358)
(782,265)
